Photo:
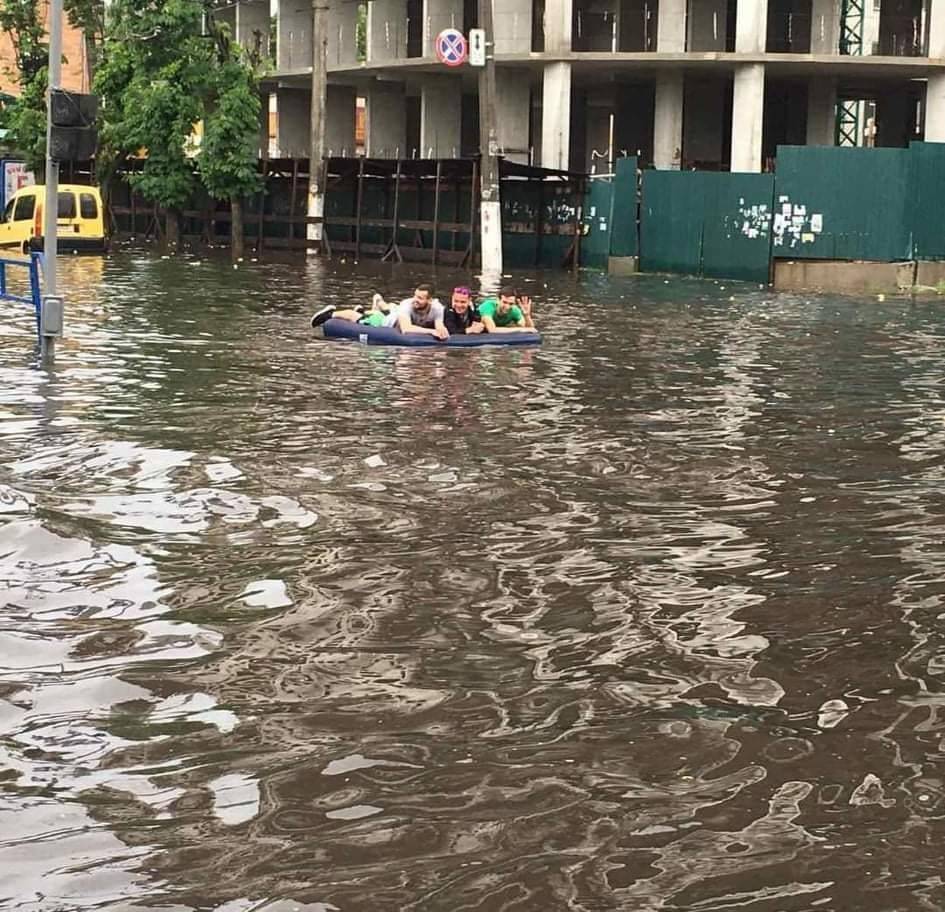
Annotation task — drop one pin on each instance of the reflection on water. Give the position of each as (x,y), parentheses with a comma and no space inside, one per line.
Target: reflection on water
(646,619)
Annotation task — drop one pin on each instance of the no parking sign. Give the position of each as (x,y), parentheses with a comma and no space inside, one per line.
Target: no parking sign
(451,47)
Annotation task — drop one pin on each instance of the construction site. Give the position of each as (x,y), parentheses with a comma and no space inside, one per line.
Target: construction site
(680,84)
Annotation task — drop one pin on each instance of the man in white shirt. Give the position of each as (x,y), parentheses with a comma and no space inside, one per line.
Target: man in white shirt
(421,313)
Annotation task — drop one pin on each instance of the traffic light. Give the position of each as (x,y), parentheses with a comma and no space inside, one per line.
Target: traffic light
(73,136)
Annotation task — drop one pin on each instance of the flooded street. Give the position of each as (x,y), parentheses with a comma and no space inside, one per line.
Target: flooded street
(649,618)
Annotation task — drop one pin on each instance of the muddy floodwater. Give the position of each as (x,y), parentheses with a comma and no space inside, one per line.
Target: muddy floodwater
(648,618)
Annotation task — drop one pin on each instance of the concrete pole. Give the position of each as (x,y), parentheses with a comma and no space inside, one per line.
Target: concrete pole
(490,206)
(751,27)
(51,212)
(671,27)
(935,89)
(748,109)
(316,167)
(668,121)
(821,112)
(825,27)
(556,116)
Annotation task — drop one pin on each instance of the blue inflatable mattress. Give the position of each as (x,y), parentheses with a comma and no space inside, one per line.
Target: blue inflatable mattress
(383,335)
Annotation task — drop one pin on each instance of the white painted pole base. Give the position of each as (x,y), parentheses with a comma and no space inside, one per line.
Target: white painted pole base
(315,232)
(490,239)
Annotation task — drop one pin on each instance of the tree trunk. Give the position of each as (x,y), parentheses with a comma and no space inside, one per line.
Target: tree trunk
(172,234)
(236,227)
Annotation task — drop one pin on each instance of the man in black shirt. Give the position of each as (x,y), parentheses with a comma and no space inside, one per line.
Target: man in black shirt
(461,316)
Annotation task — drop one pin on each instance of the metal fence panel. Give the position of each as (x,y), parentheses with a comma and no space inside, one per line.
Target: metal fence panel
(842,204)
(624,230)
(736,236)
(671,217)
(928,200)
(597,223)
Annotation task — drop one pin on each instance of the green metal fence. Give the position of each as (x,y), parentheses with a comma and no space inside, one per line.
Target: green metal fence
(927,200)
(707,223)
(844,204)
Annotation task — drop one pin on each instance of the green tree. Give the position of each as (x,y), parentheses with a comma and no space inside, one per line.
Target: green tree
(152,79)
(229,150)
(167,67)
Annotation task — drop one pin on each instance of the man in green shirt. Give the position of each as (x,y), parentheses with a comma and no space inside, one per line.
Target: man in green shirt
(503,314)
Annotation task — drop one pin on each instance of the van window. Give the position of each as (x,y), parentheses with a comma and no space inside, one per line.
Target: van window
(66,205)
(8,212)
(88,208)
(25,207)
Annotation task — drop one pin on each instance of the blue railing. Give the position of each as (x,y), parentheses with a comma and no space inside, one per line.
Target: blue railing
(33,265)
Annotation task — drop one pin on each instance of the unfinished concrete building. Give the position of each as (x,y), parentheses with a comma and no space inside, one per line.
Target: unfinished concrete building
(710,84)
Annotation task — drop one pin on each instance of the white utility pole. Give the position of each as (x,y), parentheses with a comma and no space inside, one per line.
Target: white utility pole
(490,206)
(314,232)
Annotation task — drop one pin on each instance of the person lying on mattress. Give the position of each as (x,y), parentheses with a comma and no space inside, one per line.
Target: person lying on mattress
(503,314)
(421,313)
(461,315)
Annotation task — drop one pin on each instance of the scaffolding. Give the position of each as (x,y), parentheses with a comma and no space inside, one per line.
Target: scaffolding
(851,43)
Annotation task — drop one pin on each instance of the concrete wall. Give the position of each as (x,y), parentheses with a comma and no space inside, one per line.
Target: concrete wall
(252,26)
(671,27)
(342,34)
(821,112)
(935,92)
(294,107)
(439,15)
(513,114)
(668,121)
(294,38)
(751,27)
(706,24)
(843,277)
(386,30)
(441,100)
(704,124)
(556,116)
(340,115)
(513,26)
(825,27)
(748,111)
(386,121)
(557,24)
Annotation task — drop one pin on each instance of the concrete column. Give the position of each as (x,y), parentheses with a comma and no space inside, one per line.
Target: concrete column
(671,27)
(441,99)
(294,37)
(937,29)
(935,108)
(293,116)
(748,113)
(513,114)
(935,89)
(386,121)
(342,34)
(556,116)
(439,15)
(340,116)
(751,29)
(513,26)
(821,112)
(558,19)
(252,26)
(386,30)
(668,122)
(825,27)
(706,24)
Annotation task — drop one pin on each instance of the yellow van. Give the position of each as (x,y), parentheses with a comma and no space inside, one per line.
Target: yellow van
(80,222)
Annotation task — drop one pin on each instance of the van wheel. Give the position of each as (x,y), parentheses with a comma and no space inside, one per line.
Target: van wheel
(26,248)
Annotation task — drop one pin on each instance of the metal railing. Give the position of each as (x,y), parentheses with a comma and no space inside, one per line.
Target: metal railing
(33,265)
